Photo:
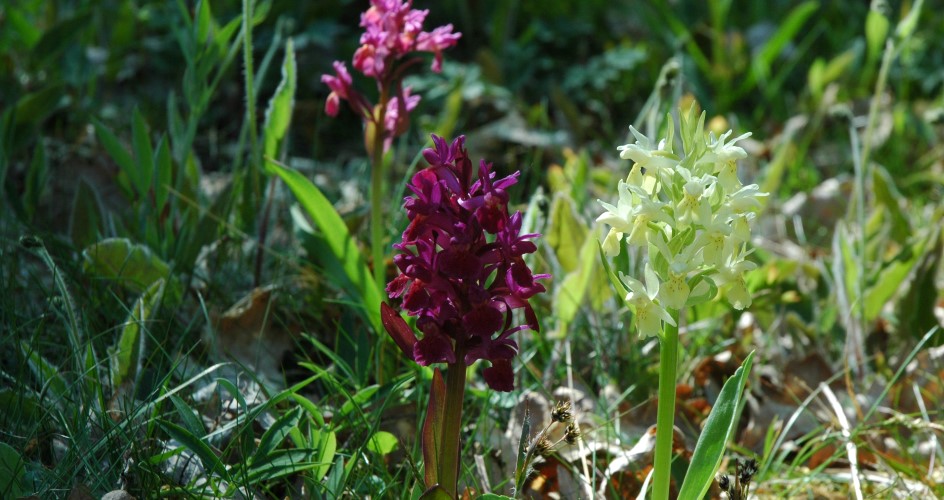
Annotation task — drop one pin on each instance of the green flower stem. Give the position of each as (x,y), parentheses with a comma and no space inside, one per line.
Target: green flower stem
(665,419)
(449,445)
(375,149)
(376,190)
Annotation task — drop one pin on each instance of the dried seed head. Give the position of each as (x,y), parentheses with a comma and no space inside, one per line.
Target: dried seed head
(746,471)
(562,412)
(572,433)
(724,483)
(543,446)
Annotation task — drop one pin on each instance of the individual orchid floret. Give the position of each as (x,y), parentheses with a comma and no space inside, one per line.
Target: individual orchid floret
(649,313)
(634,210)
(462,271)
(645,156)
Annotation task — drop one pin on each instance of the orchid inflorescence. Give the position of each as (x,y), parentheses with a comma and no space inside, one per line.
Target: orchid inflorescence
(691,213)
(462,268)
(392,31)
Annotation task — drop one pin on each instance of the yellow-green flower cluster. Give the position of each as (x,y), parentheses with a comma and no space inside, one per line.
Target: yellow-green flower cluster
(691,213)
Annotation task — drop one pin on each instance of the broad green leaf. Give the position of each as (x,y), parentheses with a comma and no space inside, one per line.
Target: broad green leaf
(126,356)
(887,196)
(359,399)
(211,462)
(343,247)
(132,265)
(35,107)
(431,433)
(203,21)
(45,372)
(891,277)
(573,290)
(12,470)
(714,437)
(786,31)
(60,36)
(111,144)
(876,30)
(916,308)
(276,434)
(279,114)
(327,447)
(36,178)
(163,173)
(141,174)
(907,25)
(382,443)
(565,233)
(191,421)
(281,463)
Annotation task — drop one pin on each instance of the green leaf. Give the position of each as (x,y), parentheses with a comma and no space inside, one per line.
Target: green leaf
(343,247)
(382,443)
(36,179)
(142,174)
(359,399)
(191,421)
(786,31)
(12,471)
(211,462)
(46,373)
(907,25)
(203,21)
(126,356)
(279,114)
(890,278)
(164,173)
(565,233)
(62,35)
(916,309)
(281,463)
(327,447)
(876,30)
(134,266)
(714,437)
(118,153)
(275,435)
(572,291)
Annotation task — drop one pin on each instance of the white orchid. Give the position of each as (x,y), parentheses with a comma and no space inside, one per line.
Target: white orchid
(691,212)
(649,313)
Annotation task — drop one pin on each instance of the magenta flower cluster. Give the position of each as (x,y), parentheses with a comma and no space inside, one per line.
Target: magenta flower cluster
(392,30)
(462,268)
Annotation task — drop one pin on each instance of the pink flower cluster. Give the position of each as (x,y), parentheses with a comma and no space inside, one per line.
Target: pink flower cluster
(462,267)
(392,30)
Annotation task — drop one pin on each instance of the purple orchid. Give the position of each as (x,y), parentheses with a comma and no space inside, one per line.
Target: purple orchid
(462,272)
(392,30)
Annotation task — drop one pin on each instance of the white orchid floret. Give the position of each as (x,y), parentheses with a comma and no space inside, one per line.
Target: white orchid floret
(649,314)
(723,153)
(730,278)
(745,199)
(611,243)
(642,153)
(696,193)
(633,212)
(716,238)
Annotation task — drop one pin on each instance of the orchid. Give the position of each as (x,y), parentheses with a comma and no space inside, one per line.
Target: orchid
(461,263)
(392,31)
(692,215)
